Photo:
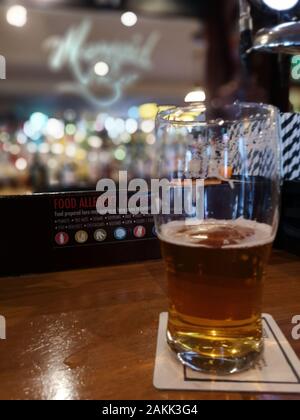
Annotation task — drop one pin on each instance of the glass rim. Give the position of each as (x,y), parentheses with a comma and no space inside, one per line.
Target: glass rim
(164,116)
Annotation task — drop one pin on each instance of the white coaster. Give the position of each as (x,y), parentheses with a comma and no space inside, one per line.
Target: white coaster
(278,372)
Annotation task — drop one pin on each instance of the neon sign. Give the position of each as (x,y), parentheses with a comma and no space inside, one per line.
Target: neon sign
(126,60)
(296,67)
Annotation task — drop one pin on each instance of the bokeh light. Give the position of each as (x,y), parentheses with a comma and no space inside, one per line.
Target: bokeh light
(148,111)
(55,128)
(21,164)
(120,153)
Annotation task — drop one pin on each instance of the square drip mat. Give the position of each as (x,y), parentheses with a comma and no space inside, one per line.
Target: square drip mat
(277,372)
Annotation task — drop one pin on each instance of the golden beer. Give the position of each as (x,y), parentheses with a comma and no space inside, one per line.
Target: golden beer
(215,272)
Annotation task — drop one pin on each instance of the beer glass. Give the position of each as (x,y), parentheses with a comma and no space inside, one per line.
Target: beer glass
(216,249)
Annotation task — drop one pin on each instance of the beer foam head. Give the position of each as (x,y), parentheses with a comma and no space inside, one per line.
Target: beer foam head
(210,233)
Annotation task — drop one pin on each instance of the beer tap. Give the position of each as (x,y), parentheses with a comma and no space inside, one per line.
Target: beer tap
(282,38)
(246,29)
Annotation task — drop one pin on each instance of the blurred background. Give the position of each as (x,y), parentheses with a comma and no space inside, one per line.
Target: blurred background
(84,81)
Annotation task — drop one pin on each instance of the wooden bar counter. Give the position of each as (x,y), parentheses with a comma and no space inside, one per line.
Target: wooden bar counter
(91,334)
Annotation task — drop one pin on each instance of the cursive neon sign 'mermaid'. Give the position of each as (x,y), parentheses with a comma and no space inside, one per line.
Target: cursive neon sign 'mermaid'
(74,51)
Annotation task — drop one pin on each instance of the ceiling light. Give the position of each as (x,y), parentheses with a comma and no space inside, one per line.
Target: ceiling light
(281,4)
(197,95)
(101,69)
(16,16)
(129,19)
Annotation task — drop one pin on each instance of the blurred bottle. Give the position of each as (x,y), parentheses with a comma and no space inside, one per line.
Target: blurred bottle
(38,175)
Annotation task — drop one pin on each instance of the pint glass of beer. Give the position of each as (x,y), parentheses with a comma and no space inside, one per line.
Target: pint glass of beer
(217,244)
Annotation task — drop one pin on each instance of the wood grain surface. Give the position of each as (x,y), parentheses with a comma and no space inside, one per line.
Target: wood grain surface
(91,334)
